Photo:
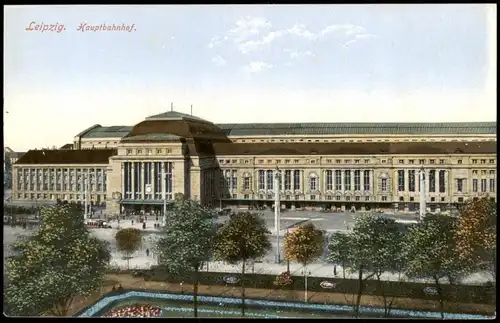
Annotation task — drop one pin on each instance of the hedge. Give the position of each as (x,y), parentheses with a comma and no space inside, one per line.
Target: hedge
(485,294)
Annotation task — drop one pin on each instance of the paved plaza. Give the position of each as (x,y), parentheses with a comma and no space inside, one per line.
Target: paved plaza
(326,221)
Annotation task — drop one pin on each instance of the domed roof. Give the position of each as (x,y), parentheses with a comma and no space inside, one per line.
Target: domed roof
(174,115)
(173,125)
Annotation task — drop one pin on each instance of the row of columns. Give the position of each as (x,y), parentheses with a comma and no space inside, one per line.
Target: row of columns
(166,169)
(343,188)
(447,180)
(322,180)
(282,180)
(61,179)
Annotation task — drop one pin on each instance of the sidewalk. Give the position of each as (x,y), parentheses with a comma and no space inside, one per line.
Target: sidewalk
(318,269)
(313,270)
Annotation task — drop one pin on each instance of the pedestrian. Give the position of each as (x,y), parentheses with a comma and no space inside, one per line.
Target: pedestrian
(132,222)
(147,252)
(335,271)
(144,225)
(157,218)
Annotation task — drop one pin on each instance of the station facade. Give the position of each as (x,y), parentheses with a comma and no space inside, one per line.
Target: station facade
(327,165)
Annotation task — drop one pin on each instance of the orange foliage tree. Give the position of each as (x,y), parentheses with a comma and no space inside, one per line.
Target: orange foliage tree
(304,245)
(476,234)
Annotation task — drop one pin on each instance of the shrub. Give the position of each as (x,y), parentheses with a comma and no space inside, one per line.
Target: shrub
(284,279)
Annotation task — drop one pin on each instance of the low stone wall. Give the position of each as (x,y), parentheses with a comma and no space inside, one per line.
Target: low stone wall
(103,305)
(452,293)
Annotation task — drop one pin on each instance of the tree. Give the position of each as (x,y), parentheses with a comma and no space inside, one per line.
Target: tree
(59,261)
(339,249)
(304,245)
(476,234)
(186,246)
(128,241)
(7,181)
(431,251)
(243,238)
(376,248)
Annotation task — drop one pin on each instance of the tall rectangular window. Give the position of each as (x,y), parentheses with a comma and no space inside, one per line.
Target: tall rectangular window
(270,179)
(157,180)
(128,179)
(168,182)
(383,185)
(262,179)
(460,185)
(222,183)
(338,180)
(329,180)
(357,180)
(246,183)
(19,179)
(147,180)
(366,180)
(411,180)
(483,185)
(492,185)
(288,180)
(313,183)
(401,180)
(432,180)
(474,185)
(347,180)
(105,180)
(442,186)
(234,180)
(227,178)
(137,180)
(296,180)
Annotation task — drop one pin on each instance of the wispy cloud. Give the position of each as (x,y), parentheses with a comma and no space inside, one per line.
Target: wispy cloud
(216,41)
(247,27)
(345,29)
(366,36)
(251,34)
(302,31)
(255,67)
(357,38)
(295,54)
(218,60)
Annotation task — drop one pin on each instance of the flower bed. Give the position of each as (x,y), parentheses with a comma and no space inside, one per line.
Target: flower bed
(135,311)
(283,280)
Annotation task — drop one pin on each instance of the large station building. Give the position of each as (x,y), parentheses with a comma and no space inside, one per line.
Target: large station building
(329,165)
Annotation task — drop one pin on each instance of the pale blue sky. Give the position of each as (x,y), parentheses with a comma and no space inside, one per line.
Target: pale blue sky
(244,64)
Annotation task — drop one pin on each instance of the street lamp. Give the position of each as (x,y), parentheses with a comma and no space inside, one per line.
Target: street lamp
(423,207)
(277,209)
(288,260)
(84,180)
(164,218)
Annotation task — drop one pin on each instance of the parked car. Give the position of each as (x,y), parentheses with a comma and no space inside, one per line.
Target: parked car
(103,224)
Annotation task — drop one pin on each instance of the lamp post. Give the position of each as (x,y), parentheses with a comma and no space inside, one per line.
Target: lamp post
(277,209)
(423,207)
(288,260)
(164,218)
(85,197)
